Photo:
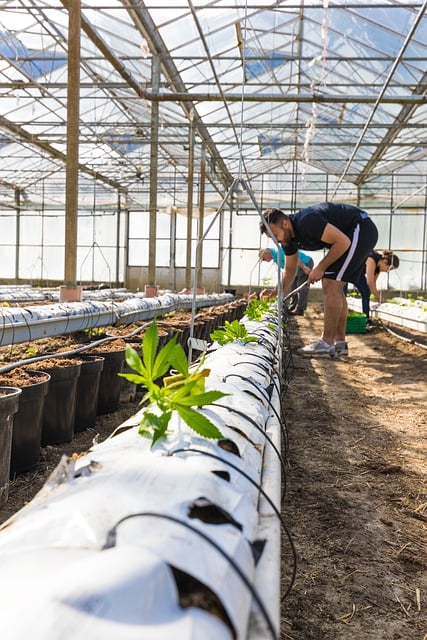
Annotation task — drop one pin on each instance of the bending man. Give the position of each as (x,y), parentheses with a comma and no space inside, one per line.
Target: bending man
(348,235)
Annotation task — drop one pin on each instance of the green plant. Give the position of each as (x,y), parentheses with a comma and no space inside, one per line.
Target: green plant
(180,391)
(95,332)
(231,332)
(257,309)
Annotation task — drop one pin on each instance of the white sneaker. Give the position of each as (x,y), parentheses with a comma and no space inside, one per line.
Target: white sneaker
(341,348)
(319,348)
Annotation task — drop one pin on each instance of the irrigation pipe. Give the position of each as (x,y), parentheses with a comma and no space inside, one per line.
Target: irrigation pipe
(266,436)
(111,541)
(266,398)
(263,493)
(404,338)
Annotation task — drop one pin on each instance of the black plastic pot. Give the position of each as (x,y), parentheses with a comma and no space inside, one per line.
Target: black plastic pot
(27,424)
(87,391)
(110,383)
(9,402)
(60,404)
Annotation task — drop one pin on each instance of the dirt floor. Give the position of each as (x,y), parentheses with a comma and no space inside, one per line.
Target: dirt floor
(356,502)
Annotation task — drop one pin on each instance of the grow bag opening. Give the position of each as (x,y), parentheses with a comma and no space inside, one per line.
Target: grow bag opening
(193,593)
(230,446)
(222,474)
(243,435)
(210,513)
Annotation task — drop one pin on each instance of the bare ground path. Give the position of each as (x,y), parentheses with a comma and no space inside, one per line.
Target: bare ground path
(356,500)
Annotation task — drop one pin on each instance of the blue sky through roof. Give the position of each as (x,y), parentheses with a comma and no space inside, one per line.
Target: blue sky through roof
(41,63)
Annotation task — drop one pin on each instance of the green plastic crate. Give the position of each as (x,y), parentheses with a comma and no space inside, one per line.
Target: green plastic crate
(356,323)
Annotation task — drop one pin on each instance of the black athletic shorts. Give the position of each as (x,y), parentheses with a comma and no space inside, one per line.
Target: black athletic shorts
(351,265)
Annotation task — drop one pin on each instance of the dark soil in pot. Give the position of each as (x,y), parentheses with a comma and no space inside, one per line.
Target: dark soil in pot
(113,352)
(27,422)
(60,402)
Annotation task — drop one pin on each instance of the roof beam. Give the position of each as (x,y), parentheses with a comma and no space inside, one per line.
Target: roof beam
(276,97)
(389,138)
(23,136)
(147,28)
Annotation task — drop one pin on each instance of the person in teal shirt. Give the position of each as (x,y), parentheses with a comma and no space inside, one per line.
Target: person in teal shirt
(298,303)
(271,253)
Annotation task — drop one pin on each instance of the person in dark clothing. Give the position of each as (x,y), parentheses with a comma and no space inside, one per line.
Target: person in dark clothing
(376,263)
(348,235)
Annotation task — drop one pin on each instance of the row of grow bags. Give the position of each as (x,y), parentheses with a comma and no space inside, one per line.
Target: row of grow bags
(178,540)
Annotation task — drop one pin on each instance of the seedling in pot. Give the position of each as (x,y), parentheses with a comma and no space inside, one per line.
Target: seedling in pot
(180,391)
(257,309)
(233,331)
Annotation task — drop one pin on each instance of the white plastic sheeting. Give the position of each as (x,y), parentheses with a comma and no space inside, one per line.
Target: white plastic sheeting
(97,551)
(402,312)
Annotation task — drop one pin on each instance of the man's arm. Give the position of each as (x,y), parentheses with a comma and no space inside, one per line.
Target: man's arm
(371,278)
(339,245)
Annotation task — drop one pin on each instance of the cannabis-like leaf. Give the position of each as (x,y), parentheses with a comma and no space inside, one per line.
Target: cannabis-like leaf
(231,332)
(165,394)
(257,309)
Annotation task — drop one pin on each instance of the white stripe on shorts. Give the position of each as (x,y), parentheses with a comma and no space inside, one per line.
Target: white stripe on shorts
(350,253)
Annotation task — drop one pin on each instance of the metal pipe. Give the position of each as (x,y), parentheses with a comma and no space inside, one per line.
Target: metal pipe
(154,159)
(279,97)
(381,98)
(72,165)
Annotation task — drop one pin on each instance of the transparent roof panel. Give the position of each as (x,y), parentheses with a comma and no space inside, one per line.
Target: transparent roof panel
(312,82)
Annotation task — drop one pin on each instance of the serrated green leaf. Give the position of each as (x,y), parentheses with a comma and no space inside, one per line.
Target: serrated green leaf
(199,423)
(134,361)
(220,336)
(162,362)
(179,360)
(149,348)
(199,399)
(155,424)
(135,378)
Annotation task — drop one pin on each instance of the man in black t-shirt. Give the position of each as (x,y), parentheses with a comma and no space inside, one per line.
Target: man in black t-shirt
(349,235)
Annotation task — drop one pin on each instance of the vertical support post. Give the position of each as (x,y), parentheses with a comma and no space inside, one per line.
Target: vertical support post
(230,243)
(201,214)
(423,281)
(172,250)
(390,227)
(118,235)
(154,160)
(190,188)
(72,166)
(126,236)
(17,230)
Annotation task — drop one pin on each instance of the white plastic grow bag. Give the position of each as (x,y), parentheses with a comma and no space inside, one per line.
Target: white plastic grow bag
(97,549)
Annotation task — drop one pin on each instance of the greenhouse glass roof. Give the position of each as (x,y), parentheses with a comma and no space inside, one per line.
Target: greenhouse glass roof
(324,88)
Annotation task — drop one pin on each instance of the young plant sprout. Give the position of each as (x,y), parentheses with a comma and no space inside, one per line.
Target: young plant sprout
(232,332)
(179,392)
(257,309)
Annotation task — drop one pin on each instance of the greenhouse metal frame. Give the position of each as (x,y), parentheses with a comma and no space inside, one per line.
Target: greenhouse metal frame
(129,129)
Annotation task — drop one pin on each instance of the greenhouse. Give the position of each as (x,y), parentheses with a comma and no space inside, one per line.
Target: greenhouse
(177,459)
(132,130)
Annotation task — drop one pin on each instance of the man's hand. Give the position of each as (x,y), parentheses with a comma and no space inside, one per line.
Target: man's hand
(315,274)
(268,293)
